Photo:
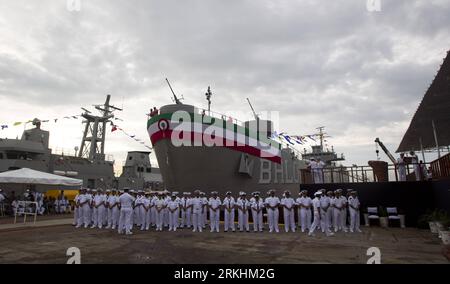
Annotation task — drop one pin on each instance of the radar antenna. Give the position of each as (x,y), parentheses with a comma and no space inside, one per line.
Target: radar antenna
(208,95)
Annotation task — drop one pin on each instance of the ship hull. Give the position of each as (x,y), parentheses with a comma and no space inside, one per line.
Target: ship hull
(220,168)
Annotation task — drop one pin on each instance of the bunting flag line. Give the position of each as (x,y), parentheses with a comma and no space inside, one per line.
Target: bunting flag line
(115,127)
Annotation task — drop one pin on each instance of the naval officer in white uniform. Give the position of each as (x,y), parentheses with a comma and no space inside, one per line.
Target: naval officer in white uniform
(288,204)
(228,207)
(214,204)
(272,203)
(126,208)
(197,205)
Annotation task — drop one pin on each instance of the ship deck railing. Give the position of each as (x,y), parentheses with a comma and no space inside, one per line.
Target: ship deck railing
(359,174)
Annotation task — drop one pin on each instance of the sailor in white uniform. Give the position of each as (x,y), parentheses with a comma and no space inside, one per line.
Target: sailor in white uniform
(154,197)
(325,204)
(243,206)
(272,203)
(173,208)
(90,195)
(416,165)
(197,205)
(99,209)
(145,211)
(160,204)
(185,211)
(204,218)
(401,167)
(126,208)
(330,213)
(214,204)
(113,212)
(353,203)
(108,211)
(288,204)
(338,208)
(167,198)
(94,210)
(257,206)
(316,213)
(76,208)
(138,208)
(228,207)
(84,208)
(304,204)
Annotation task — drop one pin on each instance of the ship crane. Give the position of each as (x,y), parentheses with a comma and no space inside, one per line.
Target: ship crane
(377,140)
(253,110)
(175,98)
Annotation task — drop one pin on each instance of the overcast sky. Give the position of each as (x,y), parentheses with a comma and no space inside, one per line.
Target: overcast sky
(361,74)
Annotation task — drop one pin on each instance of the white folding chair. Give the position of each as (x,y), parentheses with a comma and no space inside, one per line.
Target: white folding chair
(373,214)
(393,214)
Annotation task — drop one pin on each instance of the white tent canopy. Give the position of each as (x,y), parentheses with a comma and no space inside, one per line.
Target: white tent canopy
(29,176)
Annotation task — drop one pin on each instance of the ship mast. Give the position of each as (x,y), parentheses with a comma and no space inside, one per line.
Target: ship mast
(93,141)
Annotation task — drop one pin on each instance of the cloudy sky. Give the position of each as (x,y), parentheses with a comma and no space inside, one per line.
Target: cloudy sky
(361,74)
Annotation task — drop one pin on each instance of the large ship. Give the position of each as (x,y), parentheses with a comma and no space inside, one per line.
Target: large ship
(200,149)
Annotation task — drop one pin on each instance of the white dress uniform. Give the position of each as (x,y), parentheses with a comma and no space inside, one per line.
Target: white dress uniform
(305,204)
(205,212)
(243,208)
(126,207)
(153,210)
(84,217)
(137,211)
(110,199)
(75,210)
(214,213)
(344,213)
(325,204)
(401,169)
(317,171)
(166,212)
(173,208)
(145,213)
(257,215)
(288,213)
(197,216)
(272,214)
(316,220)
(337,213)
(416,166)
(354,213)
(99,211)
(93,214)
(228,204)
(115,211)
(186,220)
(160,204)
(142,212)
(331,212)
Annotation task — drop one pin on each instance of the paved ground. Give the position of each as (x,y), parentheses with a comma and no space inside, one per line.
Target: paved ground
(48,240)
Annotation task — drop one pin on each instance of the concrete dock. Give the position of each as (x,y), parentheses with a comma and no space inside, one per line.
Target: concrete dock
(48,240)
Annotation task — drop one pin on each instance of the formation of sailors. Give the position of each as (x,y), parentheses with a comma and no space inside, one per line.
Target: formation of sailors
(329,212)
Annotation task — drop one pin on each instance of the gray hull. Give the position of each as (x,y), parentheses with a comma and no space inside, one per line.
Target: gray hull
(187,168)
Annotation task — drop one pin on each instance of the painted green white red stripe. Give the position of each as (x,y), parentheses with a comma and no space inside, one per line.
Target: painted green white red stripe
(195,133)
